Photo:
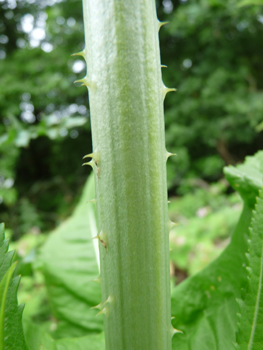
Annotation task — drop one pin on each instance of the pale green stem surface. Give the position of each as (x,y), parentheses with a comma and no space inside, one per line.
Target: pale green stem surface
(129,159)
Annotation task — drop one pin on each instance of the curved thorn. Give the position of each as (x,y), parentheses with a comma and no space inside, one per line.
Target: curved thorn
(160,24)
(90,155)
(169,154)
(166,90)
(80,81)
(81,53)
(109,300)
(91,163)
(99,306)
(174,331)
(94,155)
(85,82)
(104,311)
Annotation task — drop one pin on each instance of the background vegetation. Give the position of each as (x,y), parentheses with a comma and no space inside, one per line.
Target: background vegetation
(213,50)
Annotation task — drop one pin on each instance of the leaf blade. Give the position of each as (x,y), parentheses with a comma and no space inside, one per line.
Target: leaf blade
(69,270)
(204,291)
(250,2)
(3,295)
(11,330)
(250,334)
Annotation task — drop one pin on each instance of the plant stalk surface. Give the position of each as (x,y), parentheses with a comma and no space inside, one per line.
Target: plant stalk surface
(126,96)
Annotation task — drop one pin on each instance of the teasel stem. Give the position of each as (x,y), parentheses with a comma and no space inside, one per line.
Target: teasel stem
(126,95)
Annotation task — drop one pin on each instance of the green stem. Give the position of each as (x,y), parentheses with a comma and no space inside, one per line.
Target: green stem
(129,159)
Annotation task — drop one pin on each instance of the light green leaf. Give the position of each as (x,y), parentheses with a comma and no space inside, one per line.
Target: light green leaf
(23,138)
(247,178)
(37,338)
(259,127)
(93,342)
(69,265)
(72,122)
(250,2)
(250,335)
(3,138)
(205,305)
(11,332)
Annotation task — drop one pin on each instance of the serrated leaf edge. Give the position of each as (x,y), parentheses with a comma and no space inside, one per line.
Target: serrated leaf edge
(242,305)
(250,344)
(4,286)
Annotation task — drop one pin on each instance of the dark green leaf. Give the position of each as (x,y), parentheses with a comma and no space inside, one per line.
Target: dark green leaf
(204,305)
(11,331)
(250,335)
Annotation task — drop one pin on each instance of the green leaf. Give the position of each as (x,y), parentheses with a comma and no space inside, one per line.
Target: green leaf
(258,128)
(247,178)
(11,331)
(3,138)
(73,122)
(23,138)
(250,335)
(250,2)
(205,305)
(69,265)
(93,342)
(37,338)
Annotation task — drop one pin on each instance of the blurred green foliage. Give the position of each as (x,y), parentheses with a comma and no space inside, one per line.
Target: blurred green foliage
(44,119)
(213,50)
(214,55)
(207,217)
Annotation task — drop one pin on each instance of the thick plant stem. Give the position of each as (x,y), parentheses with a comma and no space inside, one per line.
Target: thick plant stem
(126,95)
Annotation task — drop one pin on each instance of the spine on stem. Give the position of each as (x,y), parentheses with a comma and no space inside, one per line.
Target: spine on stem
(126,95)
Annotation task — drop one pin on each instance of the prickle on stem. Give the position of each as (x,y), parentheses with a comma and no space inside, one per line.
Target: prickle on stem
(81,53)
(174,331)
(91,163)
(99,306)
(169,154)
(160,24)
(103,307)
(166,90)
(94,155)
(85,82)
(94,162)
(104,311)
(102,238)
